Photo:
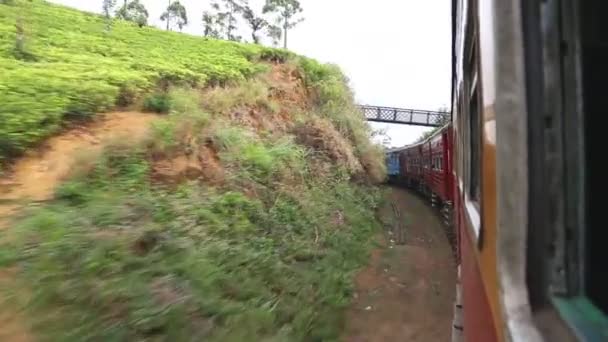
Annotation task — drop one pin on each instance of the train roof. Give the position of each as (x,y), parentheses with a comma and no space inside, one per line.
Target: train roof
(427,139)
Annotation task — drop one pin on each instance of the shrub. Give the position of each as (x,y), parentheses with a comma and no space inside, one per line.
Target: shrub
(336,102)
(158,103)
(276,55)
(171,262)
(249,93)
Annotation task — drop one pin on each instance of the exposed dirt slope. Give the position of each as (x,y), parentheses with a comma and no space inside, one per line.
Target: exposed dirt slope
(34,177)
(407,291)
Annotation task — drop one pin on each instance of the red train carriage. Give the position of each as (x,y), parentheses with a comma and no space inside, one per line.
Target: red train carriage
(425,150)
(441,178)
(427,166)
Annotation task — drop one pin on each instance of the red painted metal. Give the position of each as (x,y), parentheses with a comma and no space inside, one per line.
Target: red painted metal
(479,325)
(448,155)
(429,164)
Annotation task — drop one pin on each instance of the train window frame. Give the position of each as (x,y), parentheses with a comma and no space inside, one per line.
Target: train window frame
(471,125)
(559,265)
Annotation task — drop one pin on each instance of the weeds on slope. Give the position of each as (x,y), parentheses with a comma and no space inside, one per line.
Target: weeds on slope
(267,254)
(335,101)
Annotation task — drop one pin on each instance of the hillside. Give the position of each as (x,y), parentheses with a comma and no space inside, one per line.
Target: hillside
(48,82)
(240,212)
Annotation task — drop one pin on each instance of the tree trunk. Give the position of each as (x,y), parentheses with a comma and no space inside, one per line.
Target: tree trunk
(285,34)
(168,15)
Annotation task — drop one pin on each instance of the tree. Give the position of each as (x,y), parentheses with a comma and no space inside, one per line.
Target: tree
(255,22)
(226,17)
(381,134)
(176,12)
(210,25)
(133,11)
(107,12)
(287,12)
(275,33)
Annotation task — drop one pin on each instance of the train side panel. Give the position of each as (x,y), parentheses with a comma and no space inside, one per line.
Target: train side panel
(475,196)
(438,166)
(426,177)
(393,164)
(448,152)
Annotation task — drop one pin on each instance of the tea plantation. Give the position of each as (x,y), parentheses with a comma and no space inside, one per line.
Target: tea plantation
(71,66)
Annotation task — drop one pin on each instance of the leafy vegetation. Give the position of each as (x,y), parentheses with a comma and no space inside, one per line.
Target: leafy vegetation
(269,255)
(335,100)
(175,13)
(237,219)
(133,11)
(110,67)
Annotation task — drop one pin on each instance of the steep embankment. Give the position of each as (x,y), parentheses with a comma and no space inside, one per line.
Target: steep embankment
(240,214)
(36,176)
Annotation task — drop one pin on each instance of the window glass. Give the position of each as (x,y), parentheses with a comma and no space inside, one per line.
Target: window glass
(475,146)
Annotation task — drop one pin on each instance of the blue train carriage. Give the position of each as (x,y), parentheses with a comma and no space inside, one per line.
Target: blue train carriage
(392,165)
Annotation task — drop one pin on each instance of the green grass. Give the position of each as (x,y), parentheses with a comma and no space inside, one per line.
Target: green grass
(78,69)
(269,255)
(334,100)
(126,261)
(266,254)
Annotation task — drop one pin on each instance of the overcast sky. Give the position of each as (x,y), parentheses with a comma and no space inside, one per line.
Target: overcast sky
(395,52)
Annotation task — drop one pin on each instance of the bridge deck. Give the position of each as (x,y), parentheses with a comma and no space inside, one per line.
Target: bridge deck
(413,117)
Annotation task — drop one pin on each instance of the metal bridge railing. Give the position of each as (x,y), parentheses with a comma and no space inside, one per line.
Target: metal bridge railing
(414,117)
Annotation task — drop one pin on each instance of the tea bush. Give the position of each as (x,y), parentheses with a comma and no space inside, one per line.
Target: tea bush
(79,69)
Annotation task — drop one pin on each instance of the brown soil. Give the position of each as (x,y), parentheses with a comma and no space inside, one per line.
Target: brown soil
(202,163)
(288,87)
(35,176)
(407,291)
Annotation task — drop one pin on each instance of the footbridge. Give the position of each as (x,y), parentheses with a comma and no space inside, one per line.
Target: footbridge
(415,117)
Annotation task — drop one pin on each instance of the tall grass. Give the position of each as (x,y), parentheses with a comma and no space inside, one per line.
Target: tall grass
(335,101)
(126,261)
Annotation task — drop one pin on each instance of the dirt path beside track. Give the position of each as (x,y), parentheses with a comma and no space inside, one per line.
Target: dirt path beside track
(406,293)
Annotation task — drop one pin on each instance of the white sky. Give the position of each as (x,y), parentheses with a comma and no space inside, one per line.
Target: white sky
(395,52)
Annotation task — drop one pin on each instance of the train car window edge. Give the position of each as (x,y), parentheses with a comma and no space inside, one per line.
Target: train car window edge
(594,46)
(577,235)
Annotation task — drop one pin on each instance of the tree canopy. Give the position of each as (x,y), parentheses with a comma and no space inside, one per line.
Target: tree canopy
(133,11)
(287,12)
(175,13)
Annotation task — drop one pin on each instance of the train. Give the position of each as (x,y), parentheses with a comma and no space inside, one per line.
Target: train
(516,168)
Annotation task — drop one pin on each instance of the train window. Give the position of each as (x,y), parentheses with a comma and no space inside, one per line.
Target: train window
(567,252)
(474,132)
(595,54)
(475,146)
